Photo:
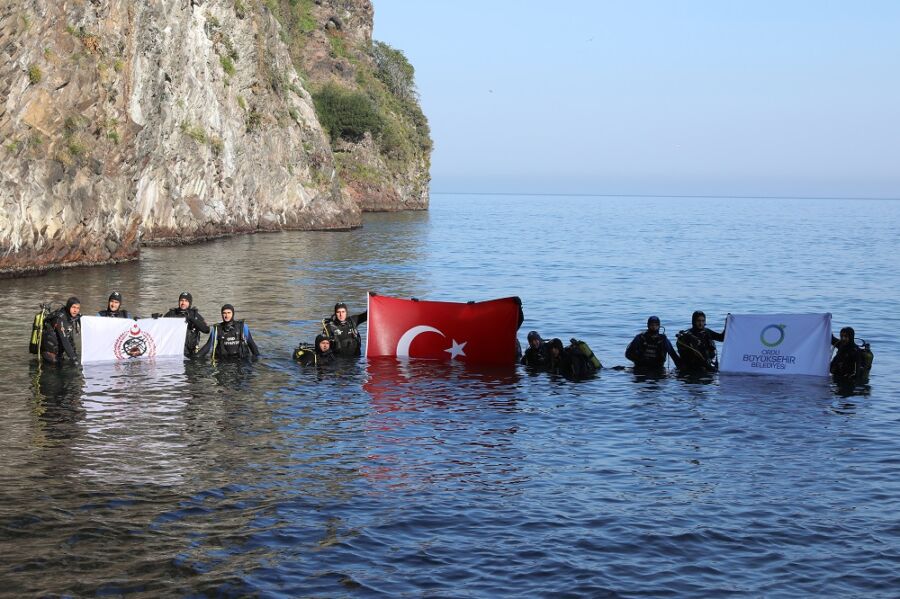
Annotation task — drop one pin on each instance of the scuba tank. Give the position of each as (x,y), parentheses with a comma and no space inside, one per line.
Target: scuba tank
(865,363)
(585,350)
(303,351)
(37,329)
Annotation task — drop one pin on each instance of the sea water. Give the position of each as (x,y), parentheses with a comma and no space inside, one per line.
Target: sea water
(419,478)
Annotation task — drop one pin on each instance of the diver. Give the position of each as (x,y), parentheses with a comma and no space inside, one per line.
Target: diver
(851,363)
(61,333)
(195,323)
(648,350)
(696,346)
(114,307)
(556,358)
(343,331)
(230,339)
(571,361)
(321,354)
(536,356)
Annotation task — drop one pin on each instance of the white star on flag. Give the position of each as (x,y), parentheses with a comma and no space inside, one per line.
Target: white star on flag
(456,349)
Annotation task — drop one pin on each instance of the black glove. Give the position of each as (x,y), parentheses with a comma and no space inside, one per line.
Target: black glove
(156,315)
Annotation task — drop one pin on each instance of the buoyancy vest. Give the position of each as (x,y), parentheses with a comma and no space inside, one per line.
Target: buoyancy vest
(647,350)
(852,363)
(536,357)
(57,325)
(697,350)
(193,334)
(230,342)
(344,336)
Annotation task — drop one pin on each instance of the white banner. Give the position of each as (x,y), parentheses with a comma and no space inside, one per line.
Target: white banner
(104,339)
(777,344)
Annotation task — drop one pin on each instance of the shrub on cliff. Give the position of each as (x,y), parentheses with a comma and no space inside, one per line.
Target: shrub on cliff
(347,114)
(394,70)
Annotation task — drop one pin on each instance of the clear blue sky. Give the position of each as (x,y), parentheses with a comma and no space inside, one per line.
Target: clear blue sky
(797,98)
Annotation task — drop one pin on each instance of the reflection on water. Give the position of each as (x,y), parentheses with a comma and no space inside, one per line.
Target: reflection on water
(406,477)
(146,399)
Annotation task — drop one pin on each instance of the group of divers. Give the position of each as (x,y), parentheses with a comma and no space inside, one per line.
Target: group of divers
(56,338)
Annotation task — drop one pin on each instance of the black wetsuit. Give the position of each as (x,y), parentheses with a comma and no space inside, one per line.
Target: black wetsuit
(195,326)
(59,337)
(570,363)
(232,340)
(345,339)
(697,349)
(649,351)
(317,358)
(120,313)
(536,357)
(848,364)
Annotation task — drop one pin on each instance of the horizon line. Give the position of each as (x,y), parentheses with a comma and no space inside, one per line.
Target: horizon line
(651,195)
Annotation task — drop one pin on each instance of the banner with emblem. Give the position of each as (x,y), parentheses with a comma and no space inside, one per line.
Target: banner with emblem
(474,332)
(777,344)
(107,339)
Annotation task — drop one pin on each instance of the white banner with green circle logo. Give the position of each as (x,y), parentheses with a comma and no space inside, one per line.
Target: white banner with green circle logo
(777,344)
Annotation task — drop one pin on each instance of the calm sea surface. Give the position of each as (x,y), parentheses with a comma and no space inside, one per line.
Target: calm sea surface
(431,479)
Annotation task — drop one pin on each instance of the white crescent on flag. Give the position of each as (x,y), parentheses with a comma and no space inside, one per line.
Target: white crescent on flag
(407,338)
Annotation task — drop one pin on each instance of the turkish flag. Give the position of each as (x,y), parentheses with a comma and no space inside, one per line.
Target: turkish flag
(475,332)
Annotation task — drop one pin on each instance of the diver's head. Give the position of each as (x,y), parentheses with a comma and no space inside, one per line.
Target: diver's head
(848,335)
(73,306)
(323,344)
(556,347)
(653,324)
(534,339)
(340,311)
(227,313)
(698,320)
(114,301)
(185,300)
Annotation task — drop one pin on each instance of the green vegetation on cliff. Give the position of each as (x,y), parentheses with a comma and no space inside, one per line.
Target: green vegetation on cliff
(347,114)
(372,89)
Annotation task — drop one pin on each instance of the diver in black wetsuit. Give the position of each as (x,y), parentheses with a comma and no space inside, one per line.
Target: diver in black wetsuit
(568,361)
(696,346)
(343,331)
(648,350)
(59,339)
(230,339)
(195,323)
(536,356)
(114,307)
(850,364)
(322,355)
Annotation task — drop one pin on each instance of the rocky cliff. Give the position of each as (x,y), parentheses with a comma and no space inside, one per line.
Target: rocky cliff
(128,123)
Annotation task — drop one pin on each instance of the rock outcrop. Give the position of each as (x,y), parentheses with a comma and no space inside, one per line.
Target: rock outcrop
(128,123)
(387,167)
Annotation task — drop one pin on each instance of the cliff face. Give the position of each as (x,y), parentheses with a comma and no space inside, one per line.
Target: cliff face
(126,122)
(385,167)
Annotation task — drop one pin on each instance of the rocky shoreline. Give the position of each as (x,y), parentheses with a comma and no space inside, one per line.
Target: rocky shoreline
(129,125)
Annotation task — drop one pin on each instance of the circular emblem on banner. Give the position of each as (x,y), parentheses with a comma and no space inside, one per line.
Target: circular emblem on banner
(134,343)
(772,335)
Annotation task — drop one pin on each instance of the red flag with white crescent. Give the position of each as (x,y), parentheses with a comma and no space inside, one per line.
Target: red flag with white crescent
(475,332)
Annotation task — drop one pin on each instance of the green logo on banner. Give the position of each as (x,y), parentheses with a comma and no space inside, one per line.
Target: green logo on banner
(770,338)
